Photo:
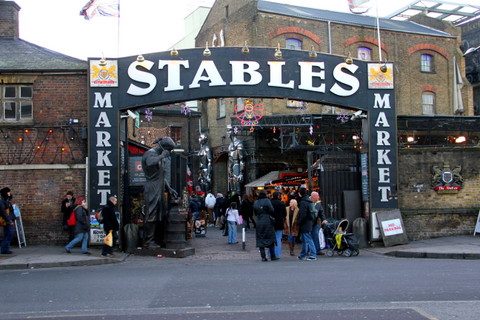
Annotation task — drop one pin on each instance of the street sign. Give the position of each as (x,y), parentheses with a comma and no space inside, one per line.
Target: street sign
(391,227)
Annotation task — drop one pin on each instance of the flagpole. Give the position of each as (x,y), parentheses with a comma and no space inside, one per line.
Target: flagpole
(118,30)
(378,34)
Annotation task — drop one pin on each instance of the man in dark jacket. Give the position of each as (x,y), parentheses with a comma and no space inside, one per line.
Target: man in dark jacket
(6,212)
(279,213)
(306,216)
(110,223)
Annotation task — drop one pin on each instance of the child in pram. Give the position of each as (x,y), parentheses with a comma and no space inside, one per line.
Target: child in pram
(339,241)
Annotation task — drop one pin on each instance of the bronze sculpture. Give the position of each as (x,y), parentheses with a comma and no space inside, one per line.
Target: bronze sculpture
(155,165)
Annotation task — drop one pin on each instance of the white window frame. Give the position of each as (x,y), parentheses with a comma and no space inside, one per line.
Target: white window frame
(428,103)
(426,63)
(19,102)
(221,108)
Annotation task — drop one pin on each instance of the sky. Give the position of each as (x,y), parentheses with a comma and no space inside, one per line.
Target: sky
(144,26)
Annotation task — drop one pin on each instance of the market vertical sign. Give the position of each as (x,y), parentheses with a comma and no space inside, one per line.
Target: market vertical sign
(103,147)
(383,137)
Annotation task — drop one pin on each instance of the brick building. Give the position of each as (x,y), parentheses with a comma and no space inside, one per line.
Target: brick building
(43,129)
(432,111)
(43,145)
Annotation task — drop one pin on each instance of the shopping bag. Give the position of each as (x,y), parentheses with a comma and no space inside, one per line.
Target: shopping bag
(321,239)
(240,220)
(108,240)
(72,219)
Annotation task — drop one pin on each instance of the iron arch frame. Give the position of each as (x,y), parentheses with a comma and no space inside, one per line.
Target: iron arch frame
(128,83)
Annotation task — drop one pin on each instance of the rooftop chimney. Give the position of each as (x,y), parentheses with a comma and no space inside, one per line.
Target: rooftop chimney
(9,19)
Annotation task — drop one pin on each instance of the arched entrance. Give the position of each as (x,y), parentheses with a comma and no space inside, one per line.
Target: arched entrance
(128,83)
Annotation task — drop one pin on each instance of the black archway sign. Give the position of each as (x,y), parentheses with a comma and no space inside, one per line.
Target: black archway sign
(159,78)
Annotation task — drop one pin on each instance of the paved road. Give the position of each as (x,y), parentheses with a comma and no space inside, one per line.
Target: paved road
(369,286)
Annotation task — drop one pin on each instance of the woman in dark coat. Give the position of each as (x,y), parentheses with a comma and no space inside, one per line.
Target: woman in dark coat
(265,233)
(110,223)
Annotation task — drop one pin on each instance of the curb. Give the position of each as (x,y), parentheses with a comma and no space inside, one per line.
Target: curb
(78,263)
(433,255)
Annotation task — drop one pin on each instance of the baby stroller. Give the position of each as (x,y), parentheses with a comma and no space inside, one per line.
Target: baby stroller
(200,225)
(339,241)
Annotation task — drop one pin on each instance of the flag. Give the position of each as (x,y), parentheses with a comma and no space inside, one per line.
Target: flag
(222,39)
(358,6)
(106,8)
(214,40)
(457,88)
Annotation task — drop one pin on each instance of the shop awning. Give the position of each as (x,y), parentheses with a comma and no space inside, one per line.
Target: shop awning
(264,180)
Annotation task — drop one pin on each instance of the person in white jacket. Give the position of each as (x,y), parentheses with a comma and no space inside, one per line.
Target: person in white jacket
(233,218)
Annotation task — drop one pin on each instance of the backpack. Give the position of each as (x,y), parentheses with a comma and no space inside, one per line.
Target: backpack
(72,219)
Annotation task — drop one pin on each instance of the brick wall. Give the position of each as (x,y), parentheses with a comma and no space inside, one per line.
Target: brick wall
(427,213)
(50,158)
(39,193)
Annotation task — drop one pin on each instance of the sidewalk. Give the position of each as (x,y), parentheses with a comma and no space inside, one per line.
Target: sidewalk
(32,257)
(214,247)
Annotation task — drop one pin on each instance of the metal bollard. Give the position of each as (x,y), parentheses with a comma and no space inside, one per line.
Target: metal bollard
(243,238)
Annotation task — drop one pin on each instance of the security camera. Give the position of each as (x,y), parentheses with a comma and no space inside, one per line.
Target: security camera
(358,115)
(131,114)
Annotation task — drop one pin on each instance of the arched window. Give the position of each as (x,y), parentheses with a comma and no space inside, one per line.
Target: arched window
(292,43)
(428,103)
(426,63)
(364,53)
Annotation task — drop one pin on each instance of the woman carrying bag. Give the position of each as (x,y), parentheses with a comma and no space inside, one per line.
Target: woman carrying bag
(110,226)
(82,226)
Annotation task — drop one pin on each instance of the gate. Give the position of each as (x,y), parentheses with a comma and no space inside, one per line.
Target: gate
(338,172)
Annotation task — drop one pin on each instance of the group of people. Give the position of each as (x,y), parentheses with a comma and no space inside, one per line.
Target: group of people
(300,218)
(223,212)
(80,231)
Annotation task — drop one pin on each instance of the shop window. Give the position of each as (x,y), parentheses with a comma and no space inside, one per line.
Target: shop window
(16,103)
(221,110)
(426,63)
(292,43)
(428,103)
(364,53)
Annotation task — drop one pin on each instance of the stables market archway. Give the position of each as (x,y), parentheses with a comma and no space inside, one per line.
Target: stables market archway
(129,83)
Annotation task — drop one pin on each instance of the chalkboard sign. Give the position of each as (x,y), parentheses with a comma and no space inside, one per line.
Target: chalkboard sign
(19,227)
(477,225)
